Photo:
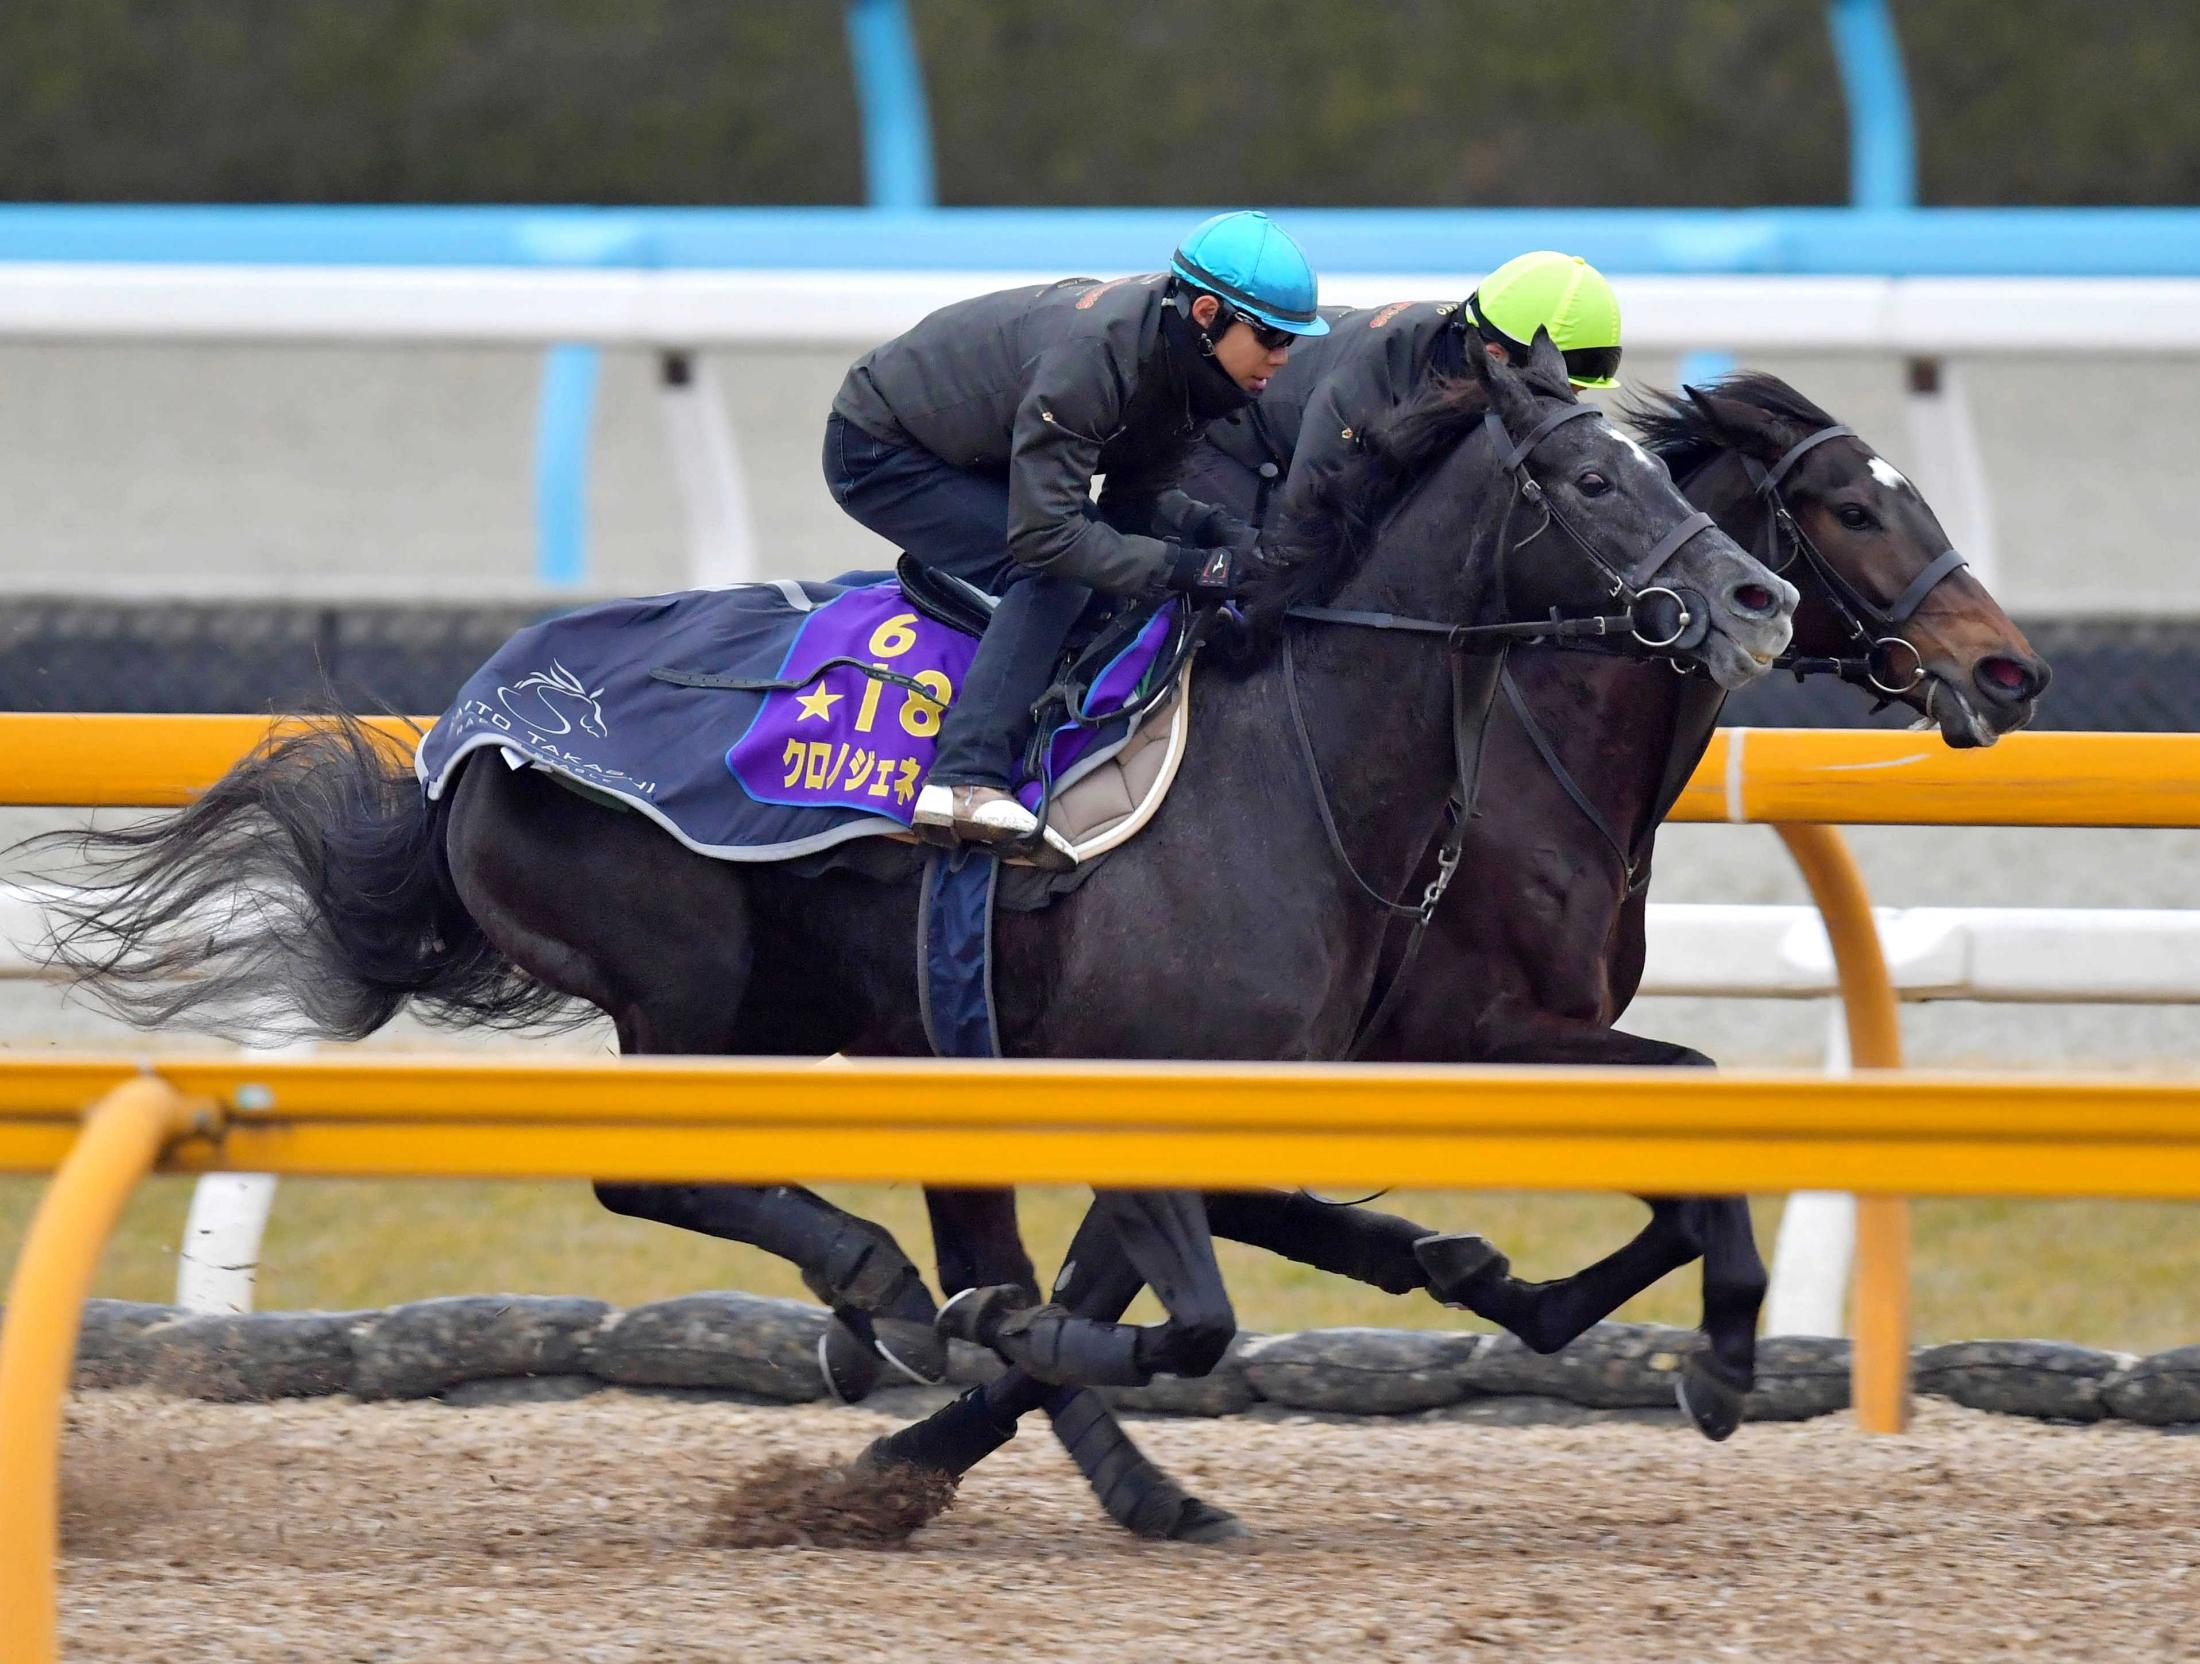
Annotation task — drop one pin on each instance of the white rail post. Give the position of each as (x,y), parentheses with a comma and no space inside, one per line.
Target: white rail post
(218,1264)
(1951,471)
(1816,1248)
(714,498)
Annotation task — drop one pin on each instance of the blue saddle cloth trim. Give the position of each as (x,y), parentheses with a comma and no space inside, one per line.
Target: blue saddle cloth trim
(955,953)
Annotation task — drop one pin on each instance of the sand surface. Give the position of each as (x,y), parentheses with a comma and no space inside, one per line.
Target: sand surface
(333,1531)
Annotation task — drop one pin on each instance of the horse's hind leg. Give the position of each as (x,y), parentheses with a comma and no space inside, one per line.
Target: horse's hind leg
(846,1261)
(608,909)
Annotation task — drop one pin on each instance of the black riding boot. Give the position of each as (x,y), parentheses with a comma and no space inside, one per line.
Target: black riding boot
(987,722)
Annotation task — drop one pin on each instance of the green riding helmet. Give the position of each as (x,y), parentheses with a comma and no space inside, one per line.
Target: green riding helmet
(1562,293)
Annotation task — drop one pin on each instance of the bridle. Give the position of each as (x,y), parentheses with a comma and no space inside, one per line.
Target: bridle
(1630,585)
(1871,626)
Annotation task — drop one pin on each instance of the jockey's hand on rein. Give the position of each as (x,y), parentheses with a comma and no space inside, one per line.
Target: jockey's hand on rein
(1210,575)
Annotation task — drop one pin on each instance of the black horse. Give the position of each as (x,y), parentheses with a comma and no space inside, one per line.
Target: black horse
(1589,749)
(314,879)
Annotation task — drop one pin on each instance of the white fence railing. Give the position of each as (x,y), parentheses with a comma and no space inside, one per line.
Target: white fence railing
(677,313)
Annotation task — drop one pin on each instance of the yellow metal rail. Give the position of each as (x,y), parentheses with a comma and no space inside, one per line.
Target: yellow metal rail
(1154,1124)
(1880,1363)
(78,760)
(1860,778)
(122,1135)
(1828,776)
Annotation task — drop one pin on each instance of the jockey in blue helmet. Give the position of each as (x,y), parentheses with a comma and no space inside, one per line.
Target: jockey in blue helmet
(973,440)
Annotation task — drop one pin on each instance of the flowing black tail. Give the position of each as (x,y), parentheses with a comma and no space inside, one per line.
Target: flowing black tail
(305,895)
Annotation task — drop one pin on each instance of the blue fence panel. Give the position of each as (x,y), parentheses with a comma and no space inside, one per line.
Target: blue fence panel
(1989,242)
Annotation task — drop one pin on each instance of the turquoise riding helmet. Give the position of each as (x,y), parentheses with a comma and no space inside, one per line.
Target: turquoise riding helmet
(1246,260)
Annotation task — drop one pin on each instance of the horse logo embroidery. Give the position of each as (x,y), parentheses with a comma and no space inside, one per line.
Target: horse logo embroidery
(555,684)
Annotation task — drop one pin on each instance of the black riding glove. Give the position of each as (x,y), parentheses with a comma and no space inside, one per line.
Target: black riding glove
(1208,576)
(1203,525)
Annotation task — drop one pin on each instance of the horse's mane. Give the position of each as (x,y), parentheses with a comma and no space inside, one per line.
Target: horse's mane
(1329,529)
(1684,437)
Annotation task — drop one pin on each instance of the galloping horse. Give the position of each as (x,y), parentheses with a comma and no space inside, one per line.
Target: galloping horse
(1543,950)
(314,879)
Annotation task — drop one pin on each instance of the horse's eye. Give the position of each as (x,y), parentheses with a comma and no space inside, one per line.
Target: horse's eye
(1855,518)
(1592,484)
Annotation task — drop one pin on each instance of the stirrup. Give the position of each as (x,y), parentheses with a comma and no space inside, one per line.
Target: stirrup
(994,819)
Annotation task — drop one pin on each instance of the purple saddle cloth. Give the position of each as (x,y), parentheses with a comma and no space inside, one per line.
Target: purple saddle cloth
(764,721)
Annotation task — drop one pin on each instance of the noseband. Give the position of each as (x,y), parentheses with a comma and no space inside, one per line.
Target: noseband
(1875,627)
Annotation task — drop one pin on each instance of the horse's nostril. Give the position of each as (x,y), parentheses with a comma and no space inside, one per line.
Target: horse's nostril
(2006,678)
(1754,598)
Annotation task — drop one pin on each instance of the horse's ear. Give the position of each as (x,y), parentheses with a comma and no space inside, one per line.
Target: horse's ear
(1732,422)
(1546,366)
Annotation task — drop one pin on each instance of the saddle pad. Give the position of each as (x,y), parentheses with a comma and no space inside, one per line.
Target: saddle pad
(630,700)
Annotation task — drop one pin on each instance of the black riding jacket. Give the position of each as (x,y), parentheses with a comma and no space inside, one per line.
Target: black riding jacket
(1057,385)
(1314,411)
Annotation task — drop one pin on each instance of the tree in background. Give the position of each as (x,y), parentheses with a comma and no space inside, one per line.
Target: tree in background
(1436,102)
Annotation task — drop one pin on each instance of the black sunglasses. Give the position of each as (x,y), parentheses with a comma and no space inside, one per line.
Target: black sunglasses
(1267,334)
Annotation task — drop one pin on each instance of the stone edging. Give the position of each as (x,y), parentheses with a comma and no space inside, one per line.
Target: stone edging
(481,1349)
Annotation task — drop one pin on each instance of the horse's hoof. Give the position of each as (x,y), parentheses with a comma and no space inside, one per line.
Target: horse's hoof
(1709,1400)
(850,1367)
(1458,1265)
(1200,1522)
(914,1351)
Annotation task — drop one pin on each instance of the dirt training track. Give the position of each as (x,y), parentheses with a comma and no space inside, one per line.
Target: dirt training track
(328,1530)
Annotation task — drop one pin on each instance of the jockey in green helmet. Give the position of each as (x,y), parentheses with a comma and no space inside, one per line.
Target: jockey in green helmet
(1376,358)
(1562,293)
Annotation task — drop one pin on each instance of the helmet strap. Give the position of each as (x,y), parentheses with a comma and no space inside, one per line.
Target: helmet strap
(1182,295)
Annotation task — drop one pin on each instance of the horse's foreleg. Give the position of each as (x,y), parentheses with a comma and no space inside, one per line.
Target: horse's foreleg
(1714,1381)
(1164,1236)
(1097,1283)
(976,1240)
(1468,1271)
